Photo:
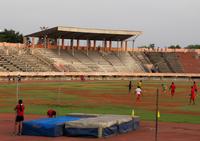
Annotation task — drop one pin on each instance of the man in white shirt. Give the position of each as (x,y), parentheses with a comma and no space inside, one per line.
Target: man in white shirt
(138,93)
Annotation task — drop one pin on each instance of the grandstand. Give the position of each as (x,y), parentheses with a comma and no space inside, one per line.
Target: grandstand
(88,51)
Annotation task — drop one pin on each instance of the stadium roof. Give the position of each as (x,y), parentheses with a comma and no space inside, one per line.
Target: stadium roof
(85,33)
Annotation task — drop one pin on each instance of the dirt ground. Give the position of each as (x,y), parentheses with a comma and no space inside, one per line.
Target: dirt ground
(167,132)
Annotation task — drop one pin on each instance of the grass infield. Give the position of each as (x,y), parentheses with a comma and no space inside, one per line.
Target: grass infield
(102,97)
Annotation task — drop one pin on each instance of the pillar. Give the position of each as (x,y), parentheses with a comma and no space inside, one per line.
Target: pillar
(88,44)
(95,45)
(72,46)
(110,45)
(56,42)
(121,45)
(33,42)
(104,44)
(63,43)
(126,45)
(48,44)
(118,48)
(77,44)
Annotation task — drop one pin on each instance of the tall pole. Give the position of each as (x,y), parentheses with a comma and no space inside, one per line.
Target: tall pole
(17,88)
(157,109)
(133,45)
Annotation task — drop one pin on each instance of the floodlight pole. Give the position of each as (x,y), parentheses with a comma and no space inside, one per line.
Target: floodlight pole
(17,88)
(157,107)
(133,42)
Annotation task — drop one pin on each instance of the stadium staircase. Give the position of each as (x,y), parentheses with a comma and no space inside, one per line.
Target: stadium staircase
(173,62)
(13,59)
(142,60)
(157,59)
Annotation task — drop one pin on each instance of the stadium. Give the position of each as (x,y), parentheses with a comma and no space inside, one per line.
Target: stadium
(84,73)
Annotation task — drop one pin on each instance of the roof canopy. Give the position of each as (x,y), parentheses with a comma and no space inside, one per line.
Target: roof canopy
(85,33)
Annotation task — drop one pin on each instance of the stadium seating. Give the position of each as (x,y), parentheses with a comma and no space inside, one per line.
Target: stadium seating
(158,60)
(15,59)
(190,62)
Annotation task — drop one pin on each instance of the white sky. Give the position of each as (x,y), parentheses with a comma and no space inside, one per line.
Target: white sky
(164,22)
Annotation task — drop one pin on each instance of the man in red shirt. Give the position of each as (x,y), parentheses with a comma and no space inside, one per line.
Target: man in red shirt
(51,113)
(19,108)
(172,88)
(195,86)
(193,95)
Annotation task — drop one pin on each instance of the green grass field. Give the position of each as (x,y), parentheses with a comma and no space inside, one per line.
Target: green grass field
(101,97)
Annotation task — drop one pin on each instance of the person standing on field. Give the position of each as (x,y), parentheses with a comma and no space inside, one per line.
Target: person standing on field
(172,88)
(138,93)
(192,95)
(19,108)
(195,86)
(140,84)
(129,87)
(51,113)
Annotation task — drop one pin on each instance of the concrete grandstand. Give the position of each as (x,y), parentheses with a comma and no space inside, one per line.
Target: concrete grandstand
(79,50)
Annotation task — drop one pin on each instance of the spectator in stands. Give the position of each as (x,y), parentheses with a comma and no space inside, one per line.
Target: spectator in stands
(192,95)
(138,93)
(172,88)
(51,113)
(195,86)
(130,87)
(9,78)
(82,78)
(19,78)
(19,108)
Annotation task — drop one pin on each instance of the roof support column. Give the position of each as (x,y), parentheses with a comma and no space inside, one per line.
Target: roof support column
(118,47)
(48,45)
(58,45)
(110,45)
(45,41)
(126,45)
(63,43)
(56,42)
(122,43)
(77,42)
(72,46)
(104,44)
(88,44)
(94,44)
(33,42)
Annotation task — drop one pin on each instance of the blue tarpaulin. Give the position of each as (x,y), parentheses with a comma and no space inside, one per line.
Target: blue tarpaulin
(51,127)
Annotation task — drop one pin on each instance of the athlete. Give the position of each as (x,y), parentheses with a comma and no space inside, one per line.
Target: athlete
(138,93)
(172,88)
(19,108)
(192,95)
(51,113)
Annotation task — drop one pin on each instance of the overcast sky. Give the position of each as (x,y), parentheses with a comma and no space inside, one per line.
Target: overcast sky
(164,22)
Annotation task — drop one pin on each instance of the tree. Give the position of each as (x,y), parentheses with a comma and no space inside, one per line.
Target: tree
(11,36)
(174,46)
(193,47)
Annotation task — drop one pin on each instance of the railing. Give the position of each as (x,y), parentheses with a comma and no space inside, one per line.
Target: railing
(102,48)
(97,74)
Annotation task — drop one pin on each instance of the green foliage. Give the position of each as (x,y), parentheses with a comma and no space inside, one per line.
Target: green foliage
(11,36)
(174,46)
(193,47)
